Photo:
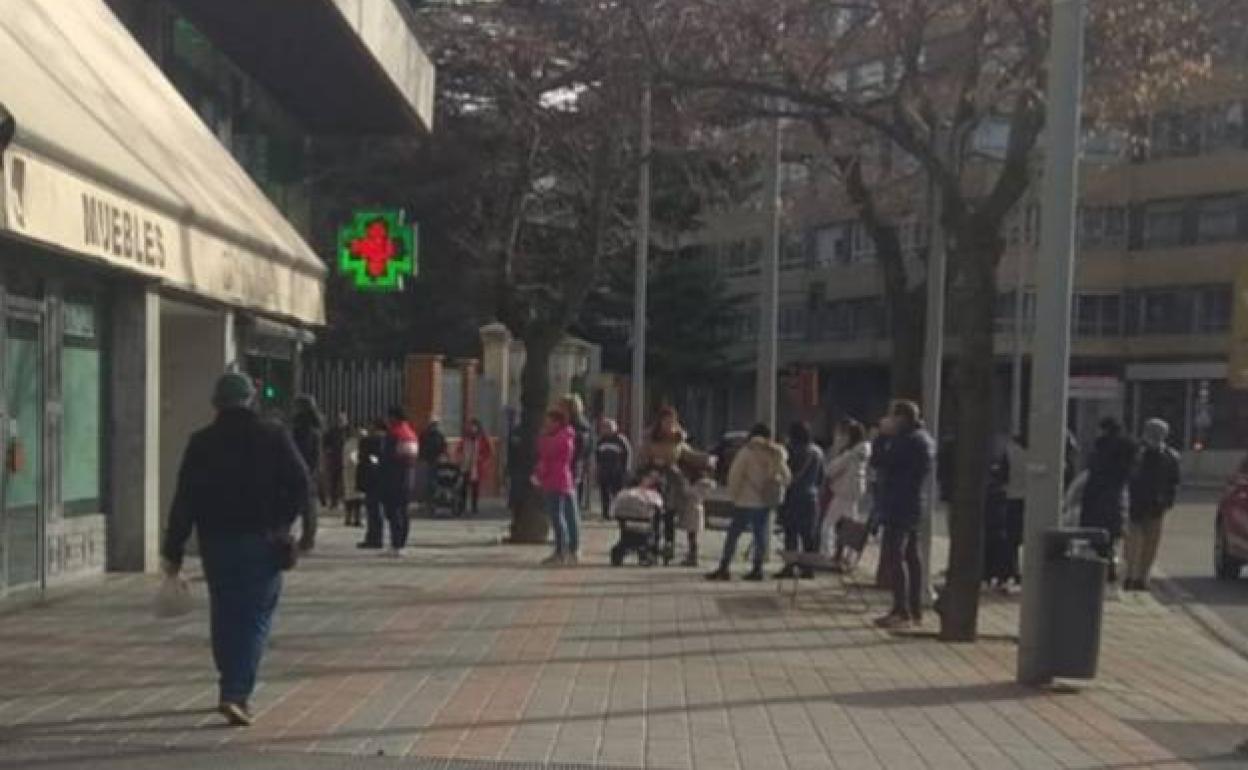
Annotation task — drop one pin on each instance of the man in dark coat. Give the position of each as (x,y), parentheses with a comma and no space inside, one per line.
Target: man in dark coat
(904,462)
(1105,492)
(1154,485)
(368,483)
(432,447)
(241,486)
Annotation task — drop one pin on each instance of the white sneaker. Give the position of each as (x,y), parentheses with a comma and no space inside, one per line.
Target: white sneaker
(394,553)
(554,560)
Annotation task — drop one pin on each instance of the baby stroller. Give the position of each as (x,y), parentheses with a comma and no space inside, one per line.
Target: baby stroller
(638,510)
(448,482)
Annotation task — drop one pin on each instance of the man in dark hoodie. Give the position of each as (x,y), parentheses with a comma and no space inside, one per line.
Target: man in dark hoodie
(241,486)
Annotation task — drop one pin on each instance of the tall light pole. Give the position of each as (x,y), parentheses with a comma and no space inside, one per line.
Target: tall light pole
(1051,353)
(640,274)
(1020,316)
(769,298)
(933,357)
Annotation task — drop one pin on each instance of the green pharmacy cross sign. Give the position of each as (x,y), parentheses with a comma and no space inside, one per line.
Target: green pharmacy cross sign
(377,250)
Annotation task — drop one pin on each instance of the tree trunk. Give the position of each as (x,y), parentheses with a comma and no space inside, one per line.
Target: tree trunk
(907,311)
(529,523)
(975,299)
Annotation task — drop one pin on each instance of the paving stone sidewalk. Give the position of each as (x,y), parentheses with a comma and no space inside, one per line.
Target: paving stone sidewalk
(468,655)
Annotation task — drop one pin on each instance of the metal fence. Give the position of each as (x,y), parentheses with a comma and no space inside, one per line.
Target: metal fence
(362,389)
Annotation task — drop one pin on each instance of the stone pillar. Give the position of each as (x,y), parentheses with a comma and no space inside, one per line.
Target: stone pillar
(495,375)
(469,369)
(422,389)
(134,465)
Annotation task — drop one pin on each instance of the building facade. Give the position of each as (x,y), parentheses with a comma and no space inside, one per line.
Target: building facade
(154,232)
(1163,243)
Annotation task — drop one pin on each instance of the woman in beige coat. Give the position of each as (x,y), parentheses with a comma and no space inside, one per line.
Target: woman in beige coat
(756,480)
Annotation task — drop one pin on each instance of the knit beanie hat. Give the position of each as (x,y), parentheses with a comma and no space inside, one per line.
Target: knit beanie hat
(233,390)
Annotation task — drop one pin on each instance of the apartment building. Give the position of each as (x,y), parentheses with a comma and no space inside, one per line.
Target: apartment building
(1163,243)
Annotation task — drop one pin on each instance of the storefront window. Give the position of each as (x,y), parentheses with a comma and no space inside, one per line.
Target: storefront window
(82,382)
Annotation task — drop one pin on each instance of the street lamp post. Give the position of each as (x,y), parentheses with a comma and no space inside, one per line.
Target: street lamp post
(769,298)
(1051,351)
(641,277)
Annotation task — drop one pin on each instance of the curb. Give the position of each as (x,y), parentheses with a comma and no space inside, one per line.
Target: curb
(1171,595)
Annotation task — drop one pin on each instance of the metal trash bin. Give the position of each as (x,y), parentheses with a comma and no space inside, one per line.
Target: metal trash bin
(1075,578)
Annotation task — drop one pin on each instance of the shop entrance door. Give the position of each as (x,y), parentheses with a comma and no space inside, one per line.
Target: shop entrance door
(22,480)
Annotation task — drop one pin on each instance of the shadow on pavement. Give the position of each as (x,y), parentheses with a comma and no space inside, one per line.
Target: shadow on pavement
(1190,741)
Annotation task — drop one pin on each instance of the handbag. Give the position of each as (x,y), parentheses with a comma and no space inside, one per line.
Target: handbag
(852,533)
(285,550)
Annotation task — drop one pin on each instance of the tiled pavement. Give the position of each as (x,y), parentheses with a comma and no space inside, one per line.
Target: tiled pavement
(467,651)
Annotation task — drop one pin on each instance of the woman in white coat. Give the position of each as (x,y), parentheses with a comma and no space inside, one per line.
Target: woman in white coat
(847,481)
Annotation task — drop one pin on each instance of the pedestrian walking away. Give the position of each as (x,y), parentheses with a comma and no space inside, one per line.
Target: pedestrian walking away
(756,483)
(613,458)
(241,486)
(846,481)
(369,483)
(555,449)
(996,538)
(306,427)
(400,451)
(800,510)
(1154,485)
(475,458)
(335,460)
(904,462)
(1104,497)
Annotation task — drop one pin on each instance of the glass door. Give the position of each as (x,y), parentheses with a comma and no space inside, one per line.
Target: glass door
(21,515)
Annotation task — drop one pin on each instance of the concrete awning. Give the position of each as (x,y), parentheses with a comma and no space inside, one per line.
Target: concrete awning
(109,162)
(340,66)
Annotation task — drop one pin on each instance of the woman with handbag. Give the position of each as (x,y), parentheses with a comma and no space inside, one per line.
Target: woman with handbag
(844,525)
(756,482)
(800,511)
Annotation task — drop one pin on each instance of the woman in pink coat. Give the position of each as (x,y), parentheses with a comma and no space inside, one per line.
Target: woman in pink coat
(556,449)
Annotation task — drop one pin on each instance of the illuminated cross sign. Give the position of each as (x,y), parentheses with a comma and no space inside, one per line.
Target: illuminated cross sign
(377,250)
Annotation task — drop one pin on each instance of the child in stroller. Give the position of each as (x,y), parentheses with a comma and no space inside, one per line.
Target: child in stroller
(448,481)
(638,509)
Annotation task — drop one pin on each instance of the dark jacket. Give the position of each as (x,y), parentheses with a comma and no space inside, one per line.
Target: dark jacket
(583,448)
(1154,482)
(368,466)
(432,444)
(306,430)
(1104,494)
(801,499)
(614,455)
(240,475)
(903,465)
(335,444)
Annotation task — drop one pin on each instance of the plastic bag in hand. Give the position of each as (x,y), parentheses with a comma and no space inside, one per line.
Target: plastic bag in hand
(173,598)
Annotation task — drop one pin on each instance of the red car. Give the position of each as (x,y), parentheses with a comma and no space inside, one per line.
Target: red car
(1230,538)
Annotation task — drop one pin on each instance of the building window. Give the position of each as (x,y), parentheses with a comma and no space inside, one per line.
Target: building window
(792,251)
(82,387)
(742,257)
(862,244)
(792,323)
(1023,227)
(1218,219)
(1006,312)
(832,245)
(1098,315)
(1213,310)
(1163,224)
(1102,227)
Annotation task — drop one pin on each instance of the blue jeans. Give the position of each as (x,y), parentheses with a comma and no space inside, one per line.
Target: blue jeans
(756,519)
(564,520)
(244,583)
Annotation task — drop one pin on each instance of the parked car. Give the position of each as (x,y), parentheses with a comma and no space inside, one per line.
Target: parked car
(1230,537)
